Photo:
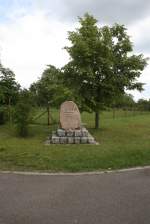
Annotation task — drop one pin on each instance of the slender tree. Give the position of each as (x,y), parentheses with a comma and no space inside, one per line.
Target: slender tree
(49,90)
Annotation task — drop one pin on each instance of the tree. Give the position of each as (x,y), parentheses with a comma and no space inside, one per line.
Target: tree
(143,104)
(102,65)
(49,90)
(124,101)
(9,89)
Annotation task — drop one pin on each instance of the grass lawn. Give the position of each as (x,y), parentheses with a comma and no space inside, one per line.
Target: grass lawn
(124,142)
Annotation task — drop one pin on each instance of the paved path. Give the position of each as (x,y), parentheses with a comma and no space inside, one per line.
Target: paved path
(113,198)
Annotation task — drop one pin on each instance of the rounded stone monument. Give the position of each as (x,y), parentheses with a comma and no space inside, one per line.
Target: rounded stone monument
(70,131)
(70,118)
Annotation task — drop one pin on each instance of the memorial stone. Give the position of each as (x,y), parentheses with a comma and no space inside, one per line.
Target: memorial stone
(69,116)
(71,130)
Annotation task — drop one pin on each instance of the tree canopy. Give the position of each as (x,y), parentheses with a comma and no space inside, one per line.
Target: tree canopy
(50,90)
(102,64)
(9,88)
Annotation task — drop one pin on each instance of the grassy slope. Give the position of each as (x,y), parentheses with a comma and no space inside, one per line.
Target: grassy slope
(124,142)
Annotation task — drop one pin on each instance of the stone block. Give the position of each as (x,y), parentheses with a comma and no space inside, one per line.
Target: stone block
(55,139)
(63,140)
(61,132)
(77,136)
(70,133)
(70,140)
(84,140)
(77,140)
(78,133)
(85,132)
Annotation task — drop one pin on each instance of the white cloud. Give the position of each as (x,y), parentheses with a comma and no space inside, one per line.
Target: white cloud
(141,38)
(141,35)
(110,11)
(32,42)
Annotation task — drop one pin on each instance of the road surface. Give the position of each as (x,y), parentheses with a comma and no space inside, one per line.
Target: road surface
(107,198)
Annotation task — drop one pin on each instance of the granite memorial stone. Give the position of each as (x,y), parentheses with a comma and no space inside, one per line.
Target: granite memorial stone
(71,130)
(69,116)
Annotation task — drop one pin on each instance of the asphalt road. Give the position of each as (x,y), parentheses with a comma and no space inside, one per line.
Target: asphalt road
(113,198)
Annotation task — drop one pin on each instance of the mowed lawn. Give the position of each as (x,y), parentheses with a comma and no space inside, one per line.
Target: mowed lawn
(123,142)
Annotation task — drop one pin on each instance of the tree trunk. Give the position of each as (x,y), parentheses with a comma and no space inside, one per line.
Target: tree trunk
(97,119)
(48,116)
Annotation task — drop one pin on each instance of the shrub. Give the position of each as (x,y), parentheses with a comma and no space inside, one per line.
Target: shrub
(22,114)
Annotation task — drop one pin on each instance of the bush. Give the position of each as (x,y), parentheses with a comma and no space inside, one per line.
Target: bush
(22,114)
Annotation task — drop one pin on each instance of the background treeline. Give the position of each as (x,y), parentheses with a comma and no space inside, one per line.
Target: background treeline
(19,106)
(126,101)
(101,69)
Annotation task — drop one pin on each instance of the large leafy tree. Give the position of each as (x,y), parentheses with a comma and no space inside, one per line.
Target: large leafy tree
(102,64)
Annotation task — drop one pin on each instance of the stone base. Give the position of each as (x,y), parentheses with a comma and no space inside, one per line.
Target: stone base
(81,136)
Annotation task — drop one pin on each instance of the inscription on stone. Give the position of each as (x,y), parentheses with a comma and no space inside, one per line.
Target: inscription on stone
(70,116)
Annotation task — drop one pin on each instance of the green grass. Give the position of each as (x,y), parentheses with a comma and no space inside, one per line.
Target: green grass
(124,142)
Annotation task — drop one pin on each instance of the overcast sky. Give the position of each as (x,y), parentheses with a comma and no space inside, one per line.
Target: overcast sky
(34,32)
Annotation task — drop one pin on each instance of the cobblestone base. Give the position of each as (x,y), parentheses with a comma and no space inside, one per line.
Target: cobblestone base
(81,136)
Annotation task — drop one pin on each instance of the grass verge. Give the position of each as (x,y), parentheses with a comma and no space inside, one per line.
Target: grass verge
(124,142)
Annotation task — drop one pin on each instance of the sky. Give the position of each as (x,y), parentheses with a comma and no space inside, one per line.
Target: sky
(33,33)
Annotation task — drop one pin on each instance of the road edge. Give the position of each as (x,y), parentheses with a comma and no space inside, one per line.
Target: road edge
(74,174)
